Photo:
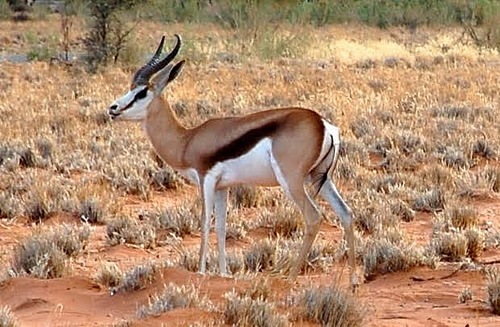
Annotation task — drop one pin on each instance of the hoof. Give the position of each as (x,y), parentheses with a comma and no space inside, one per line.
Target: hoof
(354,283)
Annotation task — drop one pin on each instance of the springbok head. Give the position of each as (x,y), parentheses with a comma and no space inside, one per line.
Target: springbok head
(144,88)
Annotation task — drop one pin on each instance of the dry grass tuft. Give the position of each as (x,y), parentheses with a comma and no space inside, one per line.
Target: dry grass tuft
(109,274)
(7,319)
(10,206)
(429,201)
(179,220)
(451,246)
(330,306)
(461,216)
(124,229)
(475,242)
(493,289)
(390,251)
(44,254)
(260,256)
(137,278)
(173,297)
(465,295)
(283,221)
(244,311)
(246,197)
(91,211)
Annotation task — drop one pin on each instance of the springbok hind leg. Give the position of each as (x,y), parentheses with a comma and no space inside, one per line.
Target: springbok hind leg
(313,219)
(329,192)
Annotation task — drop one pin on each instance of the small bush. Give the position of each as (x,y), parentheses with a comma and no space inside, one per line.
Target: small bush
(173,297)
(165,179)
(260,256)
(455,157)
(6,317)
(465,295)
(461,216)
(285,222)
(108,34)
(244,311)
(9,206)
(481,148)
(40,207)
(246,197)
(137,278)
(493,289)
(179,220)
(109,274)
(390,251)
(429,201)
(27,158)
(330,306)
(91,211)
(480,183)
(451,246)
(475,243)
(127,230)
(44,254)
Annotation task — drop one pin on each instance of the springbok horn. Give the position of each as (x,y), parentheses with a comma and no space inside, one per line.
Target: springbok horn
(154,65)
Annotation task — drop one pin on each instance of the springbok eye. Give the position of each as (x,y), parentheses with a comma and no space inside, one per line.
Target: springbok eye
(142,94)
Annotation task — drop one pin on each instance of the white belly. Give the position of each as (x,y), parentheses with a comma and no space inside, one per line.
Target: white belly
(253,168)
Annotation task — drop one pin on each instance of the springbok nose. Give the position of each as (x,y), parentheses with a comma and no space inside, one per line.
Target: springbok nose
(113,107)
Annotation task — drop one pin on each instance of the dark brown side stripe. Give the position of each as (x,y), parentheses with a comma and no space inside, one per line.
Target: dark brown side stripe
(241,145)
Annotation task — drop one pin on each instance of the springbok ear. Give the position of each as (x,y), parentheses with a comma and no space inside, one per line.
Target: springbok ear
(166,75)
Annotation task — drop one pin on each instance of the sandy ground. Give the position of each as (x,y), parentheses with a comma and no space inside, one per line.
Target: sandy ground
(419,297)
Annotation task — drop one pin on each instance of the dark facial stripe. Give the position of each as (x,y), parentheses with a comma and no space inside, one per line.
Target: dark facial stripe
(138,96)
(242,144)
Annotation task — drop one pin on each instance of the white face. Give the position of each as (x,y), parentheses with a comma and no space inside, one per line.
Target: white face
(133,105)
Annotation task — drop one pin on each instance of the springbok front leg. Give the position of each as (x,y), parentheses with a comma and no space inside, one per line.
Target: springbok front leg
(329,192)
(220,227)
(207,190)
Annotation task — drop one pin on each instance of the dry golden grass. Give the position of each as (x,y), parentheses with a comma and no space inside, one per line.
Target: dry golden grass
(419,124)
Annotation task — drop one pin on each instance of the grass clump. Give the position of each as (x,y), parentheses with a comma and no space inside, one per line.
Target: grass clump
(109,274)
(390,251)
(480,184)
(451,246)
(6,317)
(9,206)
(456,235)
(173,297)
(246,197)
(330,306)
(461,216)
(465,295)
(260,256)
(44,254)
(493,289)
(137,278)
(124,229)
(91,211)
(429,201)
(179,220)
(245,311)
(284,222)
(165,179)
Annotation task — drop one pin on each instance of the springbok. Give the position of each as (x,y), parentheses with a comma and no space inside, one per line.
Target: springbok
(288,147)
